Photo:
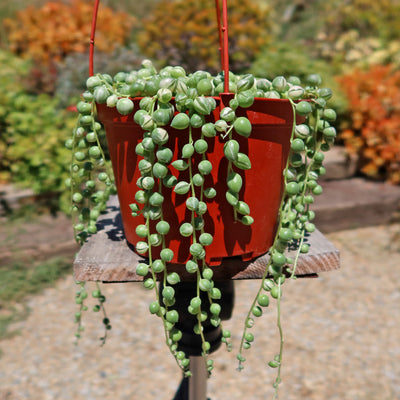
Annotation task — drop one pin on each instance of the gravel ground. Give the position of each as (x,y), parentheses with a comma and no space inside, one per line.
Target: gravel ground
(342,338)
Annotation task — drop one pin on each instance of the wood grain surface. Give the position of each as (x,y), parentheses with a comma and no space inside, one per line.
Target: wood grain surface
(108,257)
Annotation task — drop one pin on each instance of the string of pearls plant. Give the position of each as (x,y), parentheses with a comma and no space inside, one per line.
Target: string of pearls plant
(173,98)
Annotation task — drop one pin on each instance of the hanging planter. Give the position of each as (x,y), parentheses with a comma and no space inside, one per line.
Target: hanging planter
(205,167)
(271,122)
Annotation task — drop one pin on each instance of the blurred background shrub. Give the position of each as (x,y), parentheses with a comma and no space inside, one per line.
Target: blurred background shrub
(359,33)
(287,59)
(33,132)
(372,130)
(51,32)
(184,32)
(72,73)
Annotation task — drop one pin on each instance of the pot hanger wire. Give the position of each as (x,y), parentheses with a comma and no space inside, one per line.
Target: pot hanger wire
(222,36)
(92,36)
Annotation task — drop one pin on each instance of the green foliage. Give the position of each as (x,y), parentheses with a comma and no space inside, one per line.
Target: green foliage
(12,69)
(72,74)
(343,33)
(185,32)
(285,58)
(296,21)
(19,280)
(289,59)
(370,18)
(33,132)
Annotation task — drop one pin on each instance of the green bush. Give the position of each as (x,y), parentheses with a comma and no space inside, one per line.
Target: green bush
(346,34)
(284,58)
(358,33)
(34,135)
(292,59)
(380,19)
(33,129)
(297,20)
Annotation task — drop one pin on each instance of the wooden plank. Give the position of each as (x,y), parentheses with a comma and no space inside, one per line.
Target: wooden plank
(108,257)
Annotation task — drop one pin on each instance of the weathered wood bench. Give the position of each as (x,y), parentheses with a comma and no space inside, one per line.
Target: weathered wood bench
(107,257)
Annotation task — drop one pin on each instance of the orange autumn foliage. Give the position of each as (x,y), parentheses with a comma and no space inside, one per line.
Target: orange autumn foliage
(57,29)
(374,130)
